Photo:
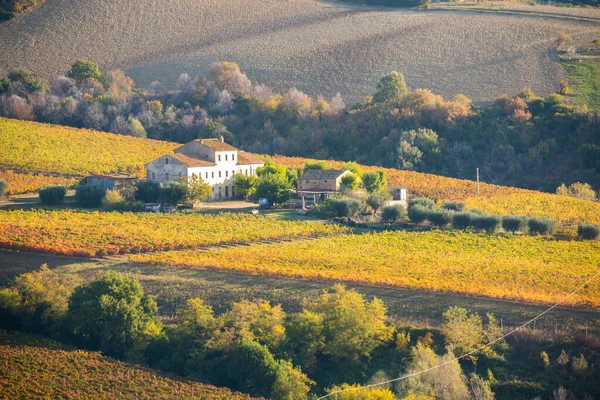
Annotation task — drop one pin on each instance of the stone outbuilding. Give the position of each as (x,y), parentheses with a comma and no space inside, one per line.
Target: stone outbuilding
(317,185)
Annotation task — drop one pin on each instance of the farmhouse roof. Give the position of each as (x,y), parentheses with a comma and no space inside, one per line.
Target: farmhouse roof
(191,160)
(245,158)
(317,174)
(217,145)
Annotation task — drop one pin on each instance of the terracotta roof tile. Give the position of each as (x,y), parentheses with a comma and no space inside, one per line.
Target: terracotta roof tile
(217,145)
(245,158)
(192,161)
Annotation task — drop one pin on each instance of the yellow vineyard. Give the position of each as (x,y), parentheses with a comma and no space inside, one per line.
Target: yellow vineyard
(28,370)
(532,269)
(103,233)
(31,146)
(492,198)
(20,183)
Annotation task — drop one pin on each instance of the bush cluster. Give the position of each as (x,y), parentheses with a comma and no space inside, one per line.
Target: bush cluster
(89,196)
(52,195)
(588,231)
(452,213)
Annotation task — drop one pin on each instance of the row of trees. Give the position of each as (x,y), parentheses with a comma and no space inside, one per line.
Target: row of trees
(258,348)
(396,127)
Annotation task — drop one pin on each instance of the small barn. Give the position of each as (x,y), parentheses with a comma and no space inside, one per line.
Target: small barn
(111,182)
(317,184)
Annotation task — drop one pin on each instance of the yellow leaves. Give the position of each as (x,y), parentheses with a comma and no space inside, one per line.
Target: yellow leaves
(20,183)
(105,233)
(533,269)
(51,148)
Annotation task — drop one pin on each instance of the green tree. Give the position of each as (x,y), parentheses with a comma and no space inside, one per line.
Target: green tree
(270,168)
(441,383)
(173,193)
(257,321)
(305,337)
(416,146)
(320,165)
(391,88)
(113,314)
(353,167)
(579,364)
(290,383)
(198,190)
(135,128)
(89,196)
(377,200)
(393,213)
(251,368)
(352,327)
(244,185)
(275,188)
(82,70)
(349,182)
(480,388)
(52,195)
(374,181)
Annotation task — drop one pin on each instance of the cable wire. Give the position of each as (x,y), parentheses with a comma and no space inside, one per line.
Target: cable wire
(466,354)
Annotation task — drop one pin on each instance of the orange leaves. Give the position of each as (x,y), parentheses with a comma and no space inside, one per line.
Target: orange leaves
(20,183)
(525,268)
(51,372)
(90,234)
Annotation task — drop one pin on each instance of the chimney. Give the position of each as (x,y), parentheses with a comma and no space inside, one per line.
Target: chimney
(222,139)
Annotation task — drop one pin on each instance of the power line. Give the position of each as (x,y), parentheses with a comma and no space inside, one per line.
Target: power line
(466,354)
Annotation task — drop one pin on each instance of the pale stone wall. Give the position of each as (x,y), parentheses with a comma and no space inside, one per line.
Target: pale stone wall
(166,169)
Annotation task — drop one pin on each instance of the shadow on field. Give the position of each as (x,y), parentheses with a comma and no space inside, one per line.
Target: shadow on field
(174,286)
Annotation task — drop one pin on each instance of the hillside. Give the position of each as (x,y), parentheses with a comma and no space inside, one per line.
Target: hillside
(34,147)
(34,368)
(316,46)
(30,146)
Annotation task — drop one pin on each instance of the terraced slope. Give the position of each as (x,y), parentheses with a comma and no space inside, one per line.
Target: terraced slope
(318,47)
(32,368)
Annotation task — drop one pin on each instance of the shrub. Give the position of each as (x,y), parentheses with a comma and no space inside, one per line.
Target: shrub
(439,218)
(113,199)
(545,359)
(417,213)
(461,220)
(89,196)
(579,364)
(377,200)
(112,314)
(488,223)
(421,201)
(392,213)
(251,368)
(453,206)
(563,358)
(542,226)
(3,188)
(588,232)
(343,207)
(514,223)
(173,193)
(147,191)
(52,195)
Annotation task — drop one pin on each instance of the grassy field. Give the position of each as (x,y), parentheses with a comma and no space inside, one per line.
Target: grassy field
(318,47)
(31,367)
(493,198)
(584,81)
(31,146)
(532,269)
(105,233)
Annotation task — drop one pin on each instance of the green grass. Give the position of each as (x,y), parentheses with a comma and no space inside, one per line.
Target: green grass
(584,82)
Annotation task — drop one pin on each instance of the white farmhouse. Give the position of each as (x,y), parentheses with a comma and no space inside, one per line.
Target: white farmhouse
(213,160)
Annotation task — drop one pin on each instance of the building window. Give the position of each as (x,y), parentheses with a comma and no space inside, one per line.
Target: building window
(207,175)
(226,191)
(219,157)
(180,176)
(246,172)
(153,176)
(225,160)
(226,174)
(166,160)
(213,174)
(233,157)
(233,191)
(167,176)
(219,174)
